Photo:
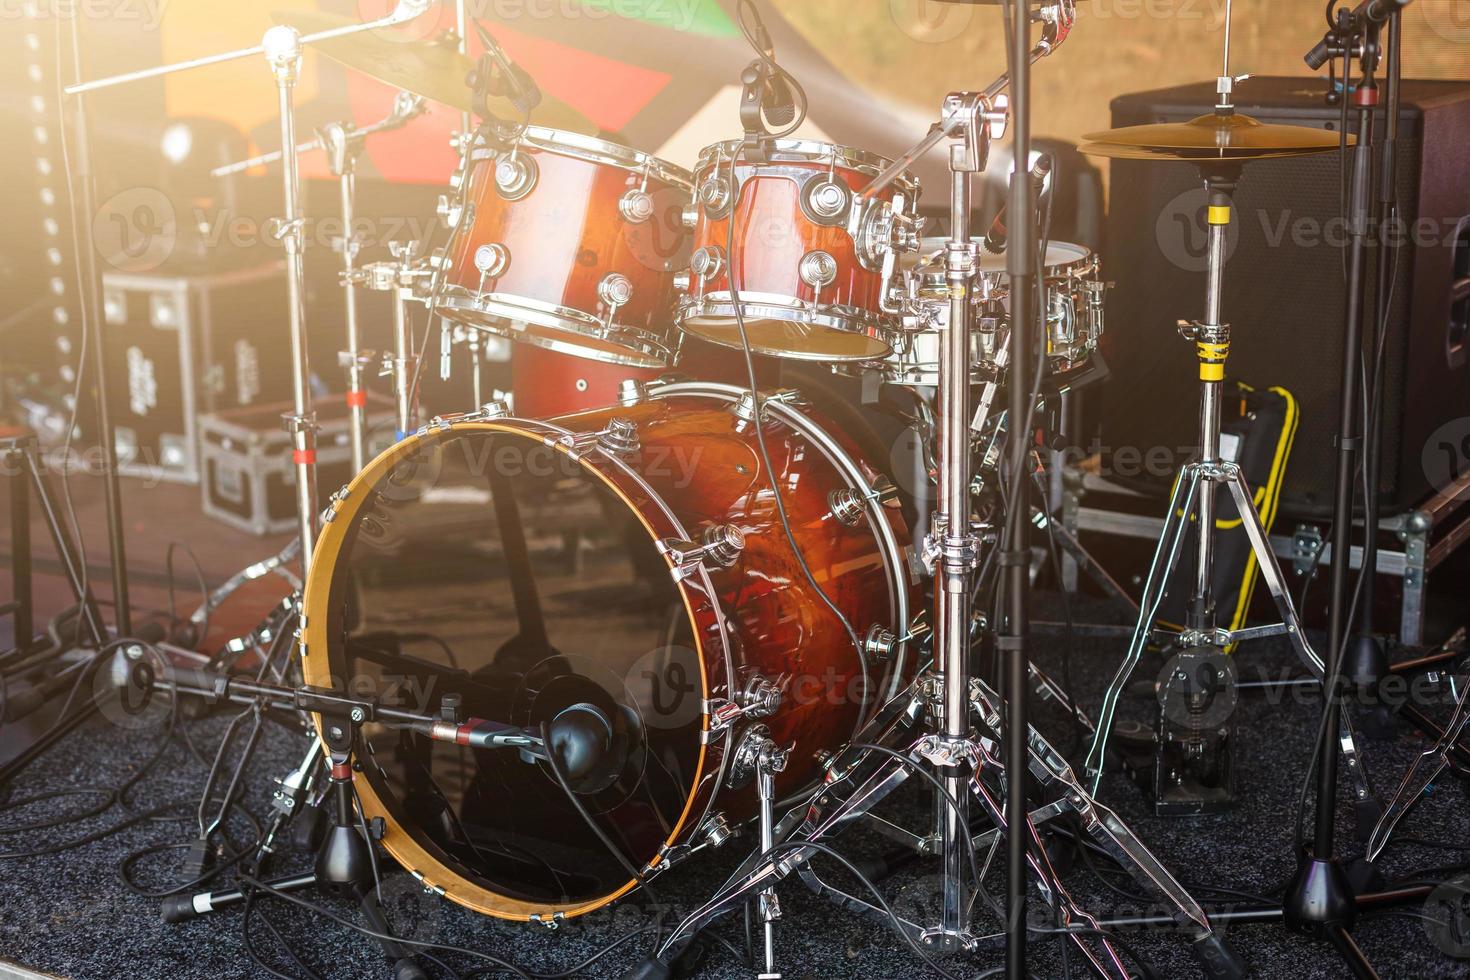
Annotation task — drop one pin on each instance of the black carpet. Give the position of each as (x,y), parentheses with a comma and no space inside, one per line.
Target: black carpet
(69,913)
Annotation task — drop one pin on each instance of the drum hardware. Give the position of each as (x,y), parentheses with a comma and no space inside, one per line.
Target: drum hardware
(719,547)
(848,504)
(281,46)
(489,412)
(404,277)
(861,777)
(1195,489)
(967,121)
(1423,772)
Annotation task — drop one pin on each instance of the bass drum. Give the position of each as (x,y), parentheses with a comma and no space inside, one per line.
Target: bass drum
(630,559)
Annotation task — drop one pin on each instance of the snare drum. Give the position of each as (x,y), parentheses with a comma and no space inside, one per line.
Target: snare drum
(807,258)
(570,243)
(1074,313)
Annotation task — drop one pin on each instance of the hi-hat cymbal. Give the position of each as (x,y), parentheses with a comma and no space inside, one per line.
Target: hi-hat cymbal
(431,67)
(1210,137)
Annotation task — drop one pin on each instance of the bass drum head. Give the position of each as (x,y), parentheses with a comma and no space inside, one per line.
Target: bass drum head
(480,562)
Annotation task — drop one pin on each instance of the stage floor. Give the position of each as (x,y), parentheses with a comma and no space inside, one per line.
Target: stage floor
(69,914)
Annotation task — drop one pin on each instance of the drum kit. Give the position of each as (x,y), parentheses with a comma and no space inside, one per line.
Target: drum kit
(645,617)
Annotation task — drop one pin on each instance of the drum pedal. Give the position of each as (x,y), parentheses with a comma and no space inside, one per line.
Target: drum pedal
(1192,767)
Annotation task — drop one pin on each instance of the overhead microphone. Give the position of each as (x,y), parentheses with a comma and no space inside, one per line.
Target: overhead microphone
(995,238)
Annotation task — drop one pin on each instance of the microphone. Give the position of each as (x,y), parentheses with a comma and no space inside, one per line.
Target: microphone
(995,238)
(581,737)
(777,100)
(497,75)
(1367,12)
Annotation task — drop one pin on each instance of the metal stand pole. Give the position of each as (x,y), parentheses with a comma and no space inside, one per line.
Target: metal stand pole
(91,300)
(1021,261)
(405,360)
(342,149)
(282,47)
(1367,661)
(952,539)
(1319,899)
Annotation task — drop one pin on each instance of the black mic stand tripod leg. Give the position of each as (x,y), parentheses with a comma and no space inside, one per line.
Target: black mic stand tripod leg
(344,863)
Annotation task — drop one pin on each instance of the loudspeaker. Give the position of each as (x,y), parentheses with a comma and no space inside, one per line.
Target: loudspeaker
(1283,290)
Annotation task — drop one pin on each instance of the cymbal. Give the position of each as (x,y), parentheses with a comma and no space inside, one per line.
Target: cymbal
(1210,137)
(431,67)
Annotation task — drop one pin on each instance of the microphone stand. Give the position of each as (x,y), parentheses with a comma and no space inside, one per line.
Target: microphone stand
(1366,659)
(1320,899)
(91,309)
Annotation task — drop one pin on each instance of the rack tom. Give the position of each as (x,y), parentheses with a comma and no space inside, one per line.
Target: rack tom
(807,256)
(567,242)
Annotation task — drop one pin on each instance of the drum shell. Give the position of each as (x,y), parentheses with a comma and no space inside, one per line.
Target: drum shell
(773,233)
(567,234)
(773,591)
(758,617)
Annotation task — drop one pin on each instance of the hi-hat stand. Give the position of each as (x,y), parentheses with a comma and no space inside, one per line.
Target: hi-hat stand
(282,47)
(1202,643)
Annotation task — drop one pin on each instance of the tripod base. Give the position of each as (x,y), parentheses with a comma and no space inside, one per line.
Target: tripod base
(1319,897)
(1364,662)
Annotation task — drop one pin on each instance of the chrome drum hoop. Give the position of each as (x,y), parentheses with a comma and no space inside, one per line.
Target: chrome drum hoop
(768,306)
(507,315)
(588,148)
(791,150)
(894,563)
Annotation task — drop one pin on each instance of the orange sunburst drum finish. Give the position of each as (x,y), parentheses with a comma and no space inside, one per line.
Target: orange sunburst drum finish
(530,566)
(570,243)
(806,255)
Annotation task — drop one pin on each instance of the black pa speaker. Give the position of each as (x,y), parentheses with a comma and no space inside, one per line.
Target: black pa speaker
(1283,291)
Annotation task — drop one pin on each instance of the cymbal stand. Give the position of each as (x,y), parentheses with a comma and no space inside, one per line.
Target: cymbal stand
(344,144)
(283,54)
(399,277)
(281,46)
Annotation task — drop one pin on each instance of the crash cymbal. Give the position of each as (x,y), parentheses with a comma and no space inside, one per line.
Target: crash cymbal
(1210,137)
(1184,156)
(431,67)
